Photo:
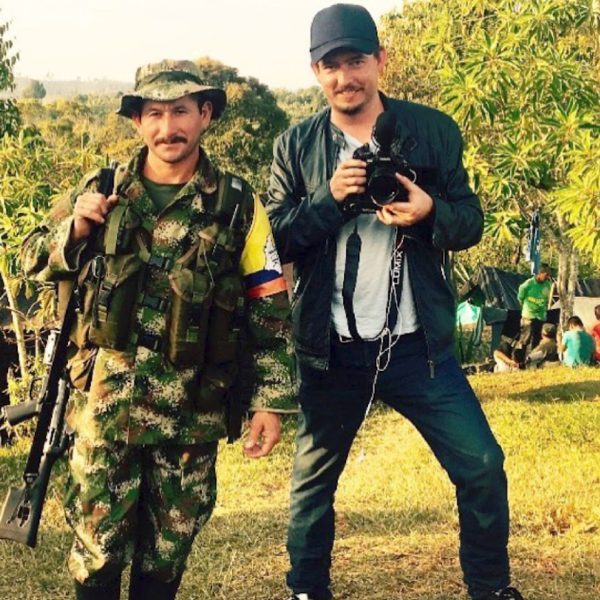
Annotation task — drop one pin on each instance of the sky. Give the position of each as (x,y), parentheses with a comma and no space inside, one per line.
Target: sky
(109,39)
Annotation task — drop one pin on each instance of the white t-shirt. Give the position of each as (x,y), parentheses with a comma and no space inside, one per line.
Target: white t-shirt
(370,297)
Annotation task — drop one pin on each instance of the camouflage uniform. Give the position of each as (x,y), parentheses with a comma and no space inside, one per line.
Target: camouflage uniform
(178,484)
(143,425)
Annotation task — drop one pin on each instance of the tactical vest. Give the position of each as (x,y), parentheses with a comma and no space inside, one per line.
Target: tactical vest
(201,305)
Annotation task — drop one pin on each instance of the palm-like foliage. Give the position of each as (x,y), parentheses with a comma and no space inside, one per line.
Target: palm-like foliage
(521,79)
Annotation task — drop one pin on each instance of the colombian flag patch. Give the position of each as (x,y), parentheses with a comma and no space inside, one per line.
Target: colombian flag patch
(260,264)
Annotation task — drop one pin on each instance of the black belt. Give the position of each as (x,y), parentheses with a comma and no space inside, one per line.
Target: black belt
(413,336)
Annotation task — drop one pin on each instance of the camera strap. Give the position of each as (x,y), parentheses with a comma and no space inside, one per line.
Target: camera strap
(353,248)
(396,279)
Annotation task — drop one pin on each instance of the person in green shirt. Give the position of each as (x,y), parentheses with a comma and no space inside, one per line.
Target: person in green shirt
(577,344)
(533,296)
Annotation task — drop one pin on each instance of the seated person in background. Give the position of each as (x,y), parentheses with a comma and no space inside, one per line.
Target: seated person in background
(546,352)
(595,333)
(504,355)
(577,345)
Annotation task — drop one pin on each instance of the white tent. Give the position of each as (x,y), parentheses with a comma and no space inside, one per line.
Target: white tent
(583,307)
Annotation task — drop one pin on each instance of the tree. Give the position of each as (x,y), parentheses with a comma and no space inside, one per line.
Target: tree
(242,140)
(9,115)
(62,141)
(86,131)
(521,79)
(27,168)
(300,104)
(410,73)
(35,90)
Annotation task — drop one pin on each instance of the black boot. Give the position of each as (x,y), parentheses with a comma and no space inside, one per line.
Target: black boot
(144,587)
(109,591)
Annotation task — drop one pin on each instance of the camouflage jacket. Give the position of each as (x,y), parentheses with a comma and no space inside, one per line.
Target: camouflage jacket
(137,395)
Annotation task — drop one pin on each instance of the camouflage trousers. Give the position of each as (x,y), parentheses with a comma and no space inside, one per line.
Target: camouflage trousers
(140,503)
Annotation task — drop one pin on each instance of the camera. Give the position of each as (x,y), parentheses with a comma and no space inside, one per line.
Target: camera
(382,165)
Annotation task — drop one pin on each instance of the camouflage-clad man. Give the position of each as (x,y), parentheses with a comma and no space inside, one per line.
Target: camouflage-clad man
(170,271)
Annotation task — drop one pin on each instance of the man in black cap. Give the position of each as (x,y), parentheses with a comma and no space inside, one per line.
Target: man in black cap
(373,309)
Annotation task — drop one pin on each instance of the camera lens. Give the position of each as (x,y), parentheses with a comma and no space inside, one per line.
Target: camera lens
(383,187)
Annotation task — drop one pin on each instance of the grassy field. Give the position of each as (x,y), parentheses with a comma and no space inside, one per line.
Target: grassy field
(396,516)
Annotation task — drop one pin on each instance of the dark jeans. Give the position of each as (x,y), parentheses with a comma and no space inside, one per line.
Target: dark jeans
(447,414)
(530,335)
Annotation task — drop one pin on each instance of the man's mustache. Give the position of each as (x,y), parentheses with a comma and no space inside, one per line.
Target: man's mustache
(171,140)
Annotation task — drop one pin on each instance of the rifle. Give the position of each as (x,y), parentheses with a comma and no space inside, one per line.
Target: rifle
(22,510)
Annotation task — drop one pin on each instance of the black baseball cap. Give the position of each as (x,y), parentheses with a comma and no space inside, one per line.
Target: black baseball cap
(342,26)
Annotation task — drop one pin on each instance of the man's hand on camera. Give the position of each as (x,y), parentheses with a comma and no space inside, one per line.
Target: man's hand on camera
(349,178)
(402,214)
(90,210)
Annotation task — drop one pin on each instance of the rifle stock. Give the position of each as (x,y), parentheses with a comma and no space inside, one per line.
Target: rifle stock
(22,510)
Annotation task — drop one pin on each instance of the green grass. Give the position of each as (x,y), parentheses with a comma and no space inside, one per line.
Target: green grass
(396,516)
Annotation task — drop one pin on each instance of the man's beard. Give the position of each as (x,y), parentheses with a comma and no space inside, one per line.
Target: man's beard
(350,110)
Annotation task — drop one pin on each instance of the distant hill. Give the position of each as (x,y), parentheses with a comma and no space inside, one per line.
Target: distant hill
(68,89)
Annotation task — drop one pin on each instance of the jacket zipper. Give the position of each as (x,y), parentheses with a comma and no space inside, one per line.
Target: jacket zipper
(330,315)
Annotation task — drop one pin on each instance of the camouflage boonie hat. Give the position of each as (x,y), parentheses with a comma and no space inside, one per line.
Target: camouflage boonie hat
(169,80)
